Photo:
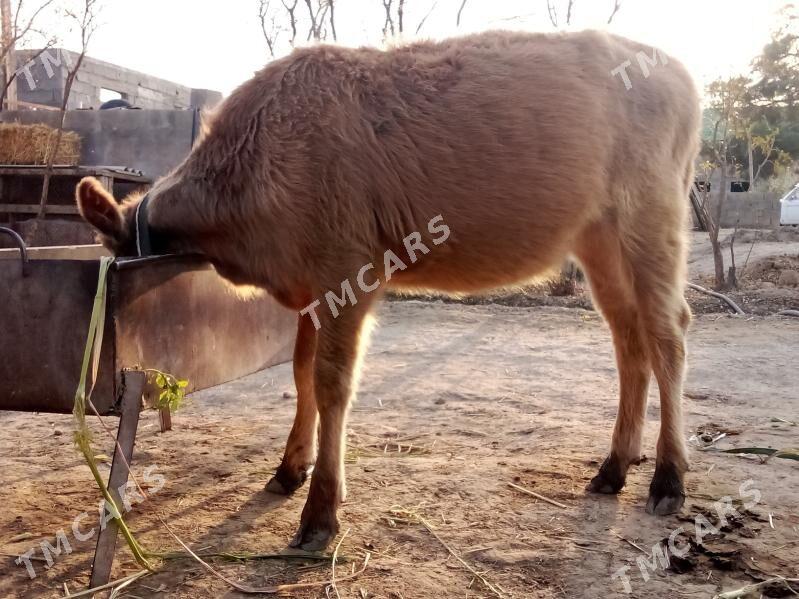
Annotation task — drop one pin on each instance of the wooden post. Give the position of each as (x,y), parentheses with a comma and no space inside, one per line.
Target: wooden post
(133,384)
(108,182)
(10,60)
(165,419)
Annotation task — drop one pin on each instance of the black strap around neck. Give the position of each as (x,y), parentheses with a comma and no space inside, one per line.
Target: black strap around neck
(143,245)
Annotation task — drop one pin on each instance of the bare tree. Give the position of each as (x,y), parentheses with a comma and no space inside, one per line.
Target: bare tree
(278,18)
(7,86)
(616,7)
(395,24)
(553,13)
(727,101)
(388,24)
(291,10)
(401,14)
(15,32)
(460,12)
(270,25)
(317,12)
(424,18)
(331,4)
(86,20)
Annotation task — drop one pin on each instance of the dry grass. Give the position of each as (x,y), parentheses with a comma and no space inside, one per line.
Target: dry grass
(385,448)
(32,144)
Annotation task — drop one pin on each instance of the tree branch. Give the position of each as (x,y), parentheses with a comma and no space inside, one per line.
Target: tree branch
(429,12)
(332,20)
(460,12)
(616,7)
(12,78)
(18,33)
(272,32)
(290,9)
(388,25)
(553,14)
(88,25)
(736,308)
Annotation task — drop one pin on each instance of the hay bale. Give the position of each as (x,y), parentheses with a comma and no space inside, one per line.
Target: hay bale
(31,144)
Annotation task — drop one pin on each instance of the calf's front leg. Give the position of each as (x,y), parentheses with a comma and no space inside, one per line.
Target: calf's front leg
(335,365)
(300,453)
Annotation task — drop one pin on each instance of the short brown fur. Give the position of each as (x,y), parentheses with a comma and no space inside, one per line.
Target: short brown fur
(526,145)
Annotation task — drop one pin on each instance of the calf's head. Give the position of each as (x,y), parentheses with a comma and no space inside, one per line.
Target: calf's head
(115,222)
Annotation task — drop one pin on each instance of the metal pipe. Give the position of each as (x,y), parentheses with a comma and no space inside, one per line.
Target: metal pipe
(23,250)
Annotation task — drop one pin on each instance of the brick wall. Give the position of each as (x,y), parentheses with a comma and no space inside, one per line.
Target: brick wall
(139,89)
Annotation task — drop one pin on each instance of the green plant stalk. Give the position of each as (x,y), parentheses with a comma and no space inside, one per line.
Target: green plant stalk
(245,556)
(82,433)
(83,437)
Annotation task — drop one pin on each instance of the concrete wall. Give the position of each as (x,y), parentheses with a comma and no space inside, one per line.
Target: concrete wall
(41,81)
(153,141)
(748,210)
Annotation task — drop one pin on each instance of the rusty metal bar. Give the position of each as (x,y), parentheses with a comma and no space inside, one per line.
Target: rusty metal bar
(23,250)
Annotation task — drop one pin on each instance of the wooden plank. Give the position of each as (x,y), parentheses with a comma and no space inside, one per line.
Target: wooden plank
(133,381)
(34,209)
(37,170)
(107,182)
(34,106)
(58,252)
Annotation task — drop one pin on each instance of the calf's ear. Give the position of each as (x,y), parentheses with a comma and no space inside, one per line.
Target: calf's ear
(99,208)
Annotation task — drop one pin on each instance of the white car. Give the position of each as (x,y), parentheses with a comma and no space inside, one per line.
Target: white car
(789,208)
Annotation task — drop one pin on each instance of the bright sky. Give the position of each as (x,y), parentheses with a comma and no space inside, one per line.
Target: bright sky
(218,45)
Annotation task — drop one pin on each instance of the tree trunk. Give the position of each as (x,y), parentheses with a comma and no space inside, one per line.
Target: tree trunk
(718,257)
(732,277)
(718,261)
(59,132)
(9,66)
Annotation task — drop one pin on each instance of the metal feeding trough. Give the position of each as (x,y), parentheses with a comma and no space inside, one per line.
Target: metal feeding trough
(171,313)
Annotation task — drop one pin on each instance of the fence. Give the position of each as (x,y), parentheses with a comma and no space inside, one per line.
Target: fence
(750,210)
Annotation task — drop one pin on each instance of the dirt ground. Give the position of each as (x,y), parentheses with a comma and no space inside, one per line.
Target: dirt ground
(456,402)
(761,258)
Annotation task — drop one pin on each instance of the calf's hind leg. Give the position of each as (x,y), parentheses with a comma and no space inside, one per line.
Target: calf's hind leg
(610,276)
(666,324)
(300,452)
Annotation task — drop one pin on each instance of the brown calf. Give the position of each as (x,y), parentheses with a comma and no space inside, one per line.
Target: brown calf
(529,147)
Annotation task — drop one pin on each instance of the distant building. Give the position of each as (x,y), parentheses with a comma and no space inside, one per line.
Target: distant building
(41,81)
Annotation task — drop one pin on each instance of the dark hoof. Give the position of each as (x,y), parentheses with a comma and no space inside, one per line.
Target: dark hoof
(283,483)
(666,493)
(315,534)
(610,479)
